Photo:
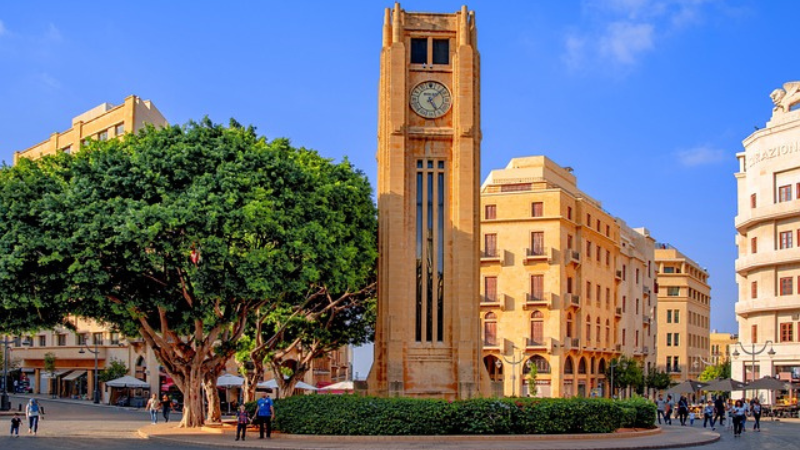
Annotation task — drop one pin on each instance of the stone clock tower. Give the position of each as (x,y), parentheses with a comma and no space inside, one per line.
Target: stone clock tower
(427,341)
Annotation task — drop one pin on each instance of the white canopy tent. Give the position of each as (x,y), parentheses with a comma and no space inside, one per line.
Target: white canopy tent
(128,382)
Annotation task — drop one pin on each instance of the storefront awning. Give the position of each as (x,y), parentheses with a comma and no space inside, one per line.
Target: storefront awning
(74,375)
(56,374)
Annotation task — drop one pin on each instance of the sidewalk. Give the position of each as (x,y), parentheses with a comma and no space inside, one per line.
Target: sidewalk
(670,437)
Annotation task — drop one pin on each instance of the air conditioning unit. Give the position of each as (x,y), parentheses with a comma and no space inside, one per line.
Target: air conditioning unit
(795,316)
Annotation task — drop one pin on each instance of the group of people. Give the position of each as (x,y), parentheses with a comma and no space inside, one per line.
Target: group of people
(33,412)
(265,411)
(715,410)
(154,405)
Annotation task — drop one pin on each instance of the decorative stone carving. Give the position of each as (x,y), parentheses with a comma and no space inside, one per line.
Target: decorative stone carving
(783,99)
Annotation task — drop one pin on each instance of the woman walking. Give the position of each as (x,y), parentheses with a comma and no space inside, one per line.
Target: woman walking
(166,407)
(756,412)
(738,418)
(32,411)
(152,407)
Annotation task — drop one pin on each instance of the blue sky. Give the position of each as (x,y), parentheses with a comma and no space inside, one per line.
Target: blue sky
(648,100)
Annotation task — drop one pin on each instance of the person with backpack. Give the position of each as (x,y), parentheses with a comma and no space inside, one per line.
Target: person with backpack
(32,412)
(265,411)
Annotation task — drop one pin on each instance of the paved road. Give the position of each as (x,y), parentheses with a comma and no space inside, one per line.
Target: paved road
(86,426)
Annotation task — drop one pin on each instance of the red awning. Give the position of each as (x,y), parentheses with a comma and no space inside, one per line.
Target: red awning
(166,386)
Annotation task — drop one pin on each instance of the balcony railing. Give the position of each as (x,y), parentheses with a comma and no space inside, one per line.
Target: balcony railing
(491,255)
(539,299)
(538,254)
(537,343)
(490,300)
(488,343)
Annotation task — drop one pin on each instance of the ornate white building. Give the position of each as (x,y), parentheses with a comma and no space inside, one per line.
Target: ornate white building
(768,240)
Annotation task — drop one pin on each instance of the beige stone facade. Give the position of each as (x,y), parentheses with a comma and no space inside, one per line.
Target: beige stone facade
(768,240)
(684,314)
(565,286)
(722,345)
(102,122)
(427,341)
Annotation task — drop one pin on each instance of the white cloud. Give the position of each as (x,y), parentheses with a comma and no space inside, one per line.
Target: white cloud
(575,51)
(701,155)
(625,41)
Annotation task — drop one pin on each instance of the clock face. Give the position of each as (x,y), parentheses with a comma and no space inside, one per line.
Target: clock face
(430,99)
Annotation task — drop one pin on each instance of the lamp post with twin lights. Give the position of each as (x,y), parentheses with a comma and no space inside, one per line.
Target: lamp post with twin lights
(753,352)
(95,352)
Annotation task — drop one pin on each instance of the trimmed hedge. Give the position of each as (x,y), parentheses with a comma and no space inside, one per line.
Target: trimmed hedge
(358,415)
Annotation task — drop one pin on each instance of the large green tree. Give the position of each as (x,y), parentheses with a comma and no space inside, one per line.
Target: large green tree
(721,370)
(179,234)
(627,373)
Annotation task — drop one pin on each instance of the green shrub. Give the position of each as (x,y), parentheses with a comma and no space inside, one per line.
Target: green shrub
(357,415)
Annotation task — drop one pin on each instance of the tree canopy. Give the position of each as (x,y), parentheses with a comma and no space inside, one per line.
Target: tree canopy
(177,235)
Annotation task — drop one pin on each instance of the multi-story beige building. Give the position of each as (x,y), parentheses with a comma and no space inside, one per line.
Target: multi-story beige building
(565,286)
(102,122)
(684,314)
(768,240)
(722,345)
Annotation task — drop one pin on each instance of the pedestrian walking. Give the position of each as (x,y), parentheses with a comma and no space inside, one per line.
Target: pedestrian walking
(756,411)
(153,405)
(166,407)
(264,413)
(242,419)
(719,407)
(683,410)
(738,412)
(661,406)
(708,414)
(668,409)
(32,412)
(15,423)
(691,418)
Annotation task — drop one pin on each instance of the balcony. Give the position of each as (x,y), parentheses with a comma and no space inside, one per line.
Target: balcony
(573,300)
(746,263)
(572,257)
(618,275)
(767,304)
(490,301)
(775,211)
(646,350)
(545,344)
(490,344)
(539,299)
(572,343)
(539,254)
(491,255)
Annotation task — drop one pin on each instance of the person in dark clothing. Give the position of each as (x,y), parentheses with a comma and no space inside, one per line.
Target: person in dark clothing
(755,410)
(242,419)
(683,410)
(719,407)
(166,407)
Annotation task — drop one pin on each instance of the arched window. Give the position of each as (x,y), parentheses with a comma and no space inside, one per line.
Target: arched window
(582,366)
(537,328)
(568,366)
(597,331)
(490,329)
(538,361)
(569,325)
(494,366)
(588,328)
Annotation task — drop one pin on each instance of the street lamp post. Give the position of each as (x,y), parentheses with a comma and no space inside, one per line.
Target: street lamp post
(514,363)
(5,404)
(753,352)
(612,366)
(95,352)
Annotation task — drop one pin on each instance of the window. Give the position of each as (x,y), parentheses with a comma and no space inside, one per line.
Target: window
(537,327)
(419,50)
(636,339)
(754,289)
(676,339)
(608,231)
(785,193)
(491,212)
(490,329)
(119,129)
(114,338)
(490,244)
(624,272)
(490,289)
(787,334)
(754,245)
(441,51)
(752,200)
(537,243)
(82,338)
(637,275)
(588,220)
(62,340)
(598,297)
(675,365)
(102,136)
(669,270)
(754,333)
(537,287)
(569,241)
(588,328)
(569,285)
(42,341)
(608,258)
(97,338)
(598,252)
(588,290)
(598,329)
(598,225)
(676,316)
(569,213)
(588,249)
(608,332)
(786,239)
(608,297)
(623,336)
(67,149)
(673,291)
(569,325)
(786,286)
(537,209)
(624,303)
(669,363)
(669,339)
(637,306)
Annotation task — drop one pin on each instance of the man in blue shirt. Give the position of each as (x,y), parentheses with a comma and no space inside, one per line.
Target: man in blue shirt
(265,411)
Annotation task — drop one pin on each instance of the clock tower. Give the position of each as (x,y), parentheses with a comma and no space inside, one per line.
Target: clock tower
(427,341)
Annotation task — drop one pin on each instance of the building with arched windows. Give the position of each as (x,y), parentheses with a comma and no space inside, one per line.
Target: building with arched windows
(565,286)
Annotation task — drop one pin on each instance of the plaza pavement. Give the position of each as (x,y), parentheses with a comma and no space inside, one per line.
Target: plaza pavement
(82,421)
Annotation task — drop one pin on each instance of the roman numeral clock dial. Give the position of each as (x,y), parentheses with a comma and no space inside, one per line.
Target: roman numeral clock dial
(430,99)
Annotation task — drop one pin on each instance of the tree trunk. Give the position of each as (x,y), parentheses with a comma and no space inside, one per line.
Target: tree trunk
(190,383)
(213,413)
